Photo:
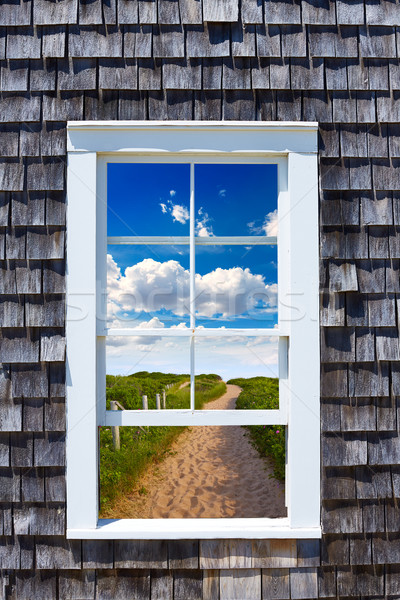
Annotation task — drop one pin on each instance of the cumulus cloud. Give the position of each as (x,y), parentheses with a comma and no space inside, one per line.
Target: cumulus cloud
(151,286)
(178,212)
(203,227)
(172,193)
(269,226)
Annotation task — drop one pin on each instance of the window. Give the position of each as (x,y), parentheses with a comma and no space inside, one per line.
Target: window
(190,155)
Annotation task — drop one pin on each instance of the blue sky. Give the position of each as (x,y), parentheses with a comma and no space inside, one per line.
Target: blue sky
(236,286)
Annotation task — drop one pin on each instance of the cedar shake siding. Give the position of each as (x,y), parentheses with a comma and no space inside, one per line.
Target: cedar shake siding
(335,62)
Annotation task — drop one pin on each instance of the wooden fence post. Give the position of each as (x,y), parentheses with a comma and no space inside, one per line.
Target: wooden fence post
(164,401)
(158,403)
(145,403)
(115,430)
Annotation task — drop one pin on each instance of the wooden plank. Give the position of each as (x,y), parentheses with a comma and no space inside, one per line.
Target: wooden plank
(55,552)
(49,449)
(211,584)
(275,584)
(75,584)
(183,554)
(222,11)
(214,554)
(338,483)
(140,554)
(32,485)
(33,414)
(55,484)
(240,554)
(303,583)
(97,554)
(162,585)
(240,583)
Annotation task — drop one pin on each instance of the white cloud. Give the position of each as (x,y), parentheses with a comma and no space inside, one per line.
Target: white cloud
(172,193)
(270,226)
(222,193)
(179,213)
(203,228)
(151,286)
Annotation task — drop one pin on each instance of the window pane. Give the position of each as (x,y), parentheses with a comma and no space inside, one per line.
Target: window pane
(148,366)
(148,286)
(192,472)
(236,286)
(148,199)
(236,199)
(248,366)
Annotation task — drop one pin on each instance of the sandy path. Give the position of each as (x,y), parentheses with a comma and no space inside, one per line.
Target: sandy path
(211,472)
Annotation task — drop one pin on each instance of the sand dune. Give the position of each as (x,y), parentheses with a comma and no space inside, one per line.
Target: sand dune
(212,472)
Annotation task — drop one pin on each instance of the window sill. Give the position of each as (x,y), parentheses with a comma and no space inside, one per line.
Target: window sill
(176,529)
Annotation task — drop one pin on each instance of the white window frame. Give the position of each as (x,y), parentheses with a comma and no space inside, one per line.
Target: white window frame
(293,146)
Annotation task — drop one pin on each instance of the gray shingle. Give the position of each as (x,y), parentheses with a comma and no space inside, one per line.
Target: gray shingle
(317,106)
(168,41)
(377,137)
(45,311)
(77,584)
(138,41)
(252,11)
(9,140)
(334,380)
(93,13)
(293,41)
(33,414)
(136,584)
(347,449)
(243,40)
(383,448)
(76,74)
(377,210)
(55,484)
(224,10)
(287,12)
(46,175)
(21,445)
(102,41)
(387,344)
(45,243)
(336,74)
(182,74)
(11,175)
(191,12)
(342,277)
(320,12)
(11,311)
(27,208)
(332,310)
(49,449)
(32,485)
(366,107)
(208,104)
(53,41)
(29,146)
(43,75)
(377,42)
(378,74)
(236,73)
(208,41)
(52,345)
(268,40)
(386,174)
(279,73)
(16,242)
(307,74)
(19,346)
(23,42)
(358,74)
(14,76)
(16,14)
(29,381)
(62,12)
(141,554)
(128,11)
(365,344)
(371,276)
(118,74)
(337,344)
(149,70)
(28,276)
(55,414)
(57,553)
(168,12)
(63,106)
(388,107)
(260,74)
(350,12)
(384,12)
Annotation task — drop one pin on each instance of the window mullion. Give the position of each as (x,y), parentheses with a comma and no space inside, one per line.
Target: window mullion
(192,286)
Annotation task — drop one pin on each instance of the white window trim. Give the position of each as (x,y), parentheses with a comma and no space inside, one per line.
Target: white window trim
(294,147)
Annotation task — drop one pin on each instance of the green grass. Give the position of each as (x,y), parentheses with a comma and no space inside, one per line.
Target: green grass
(120,471)
(263,393)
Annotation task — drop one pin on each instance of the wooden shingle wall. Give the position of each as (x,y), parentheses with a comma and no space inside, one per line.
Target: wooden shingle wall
(335,62)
